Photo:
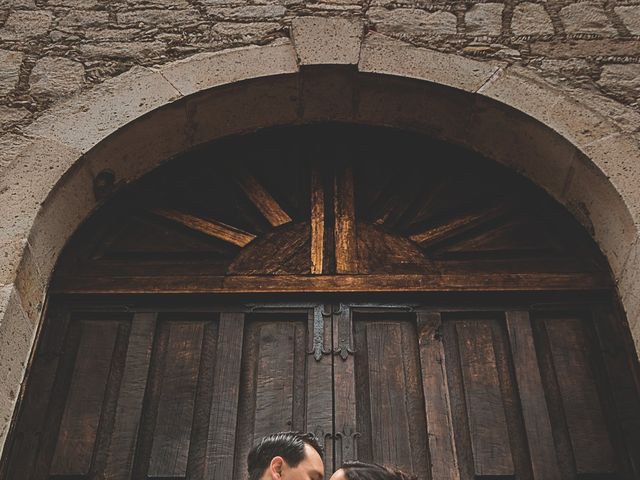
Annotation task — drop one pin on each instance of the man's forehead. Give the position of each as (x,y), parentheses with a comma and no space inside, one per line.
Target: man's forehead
(312,456)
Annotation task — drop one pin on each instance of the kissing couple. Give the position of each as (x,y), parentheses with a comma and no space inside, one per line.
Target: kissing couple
(299,456)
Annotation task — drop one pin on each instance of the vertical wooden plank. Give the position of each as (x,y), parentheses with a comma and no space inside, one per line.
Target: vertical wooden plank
(345,223)
(344,385)
(317,222)
(172,434)
(319,391)
(442,445)
(45,395)
(592,450)
(274,379)
(221,438)
(387,386)
(132,389)
(542,452)
(77,435)
(485,409)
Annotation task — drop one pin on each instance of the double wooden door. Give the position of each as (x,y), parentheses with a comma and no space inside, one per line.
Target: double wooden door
(446,392)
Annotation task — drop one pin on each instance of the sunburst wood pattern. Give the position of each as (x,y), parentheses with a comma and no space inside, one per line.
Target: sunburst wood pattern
(338,200)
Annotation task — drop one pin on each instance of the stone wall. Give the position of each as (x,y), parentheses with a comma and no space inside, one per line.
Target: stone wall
(51,48)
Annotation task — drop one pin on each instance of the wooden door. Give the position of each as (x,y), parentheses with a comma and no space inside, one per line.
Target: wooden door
(458,391)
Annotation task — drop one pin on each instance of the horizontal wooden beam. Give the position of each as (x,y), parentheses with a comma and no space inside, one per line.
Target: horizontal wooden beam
(467,282)
(213,228)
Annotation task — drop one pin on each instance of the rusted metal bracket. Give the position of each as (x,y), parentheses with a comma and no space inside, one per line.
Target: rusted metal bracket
(318,348)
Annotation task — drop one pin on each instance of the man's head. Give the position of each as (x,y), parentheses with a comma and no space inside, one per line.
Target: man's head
(286,456)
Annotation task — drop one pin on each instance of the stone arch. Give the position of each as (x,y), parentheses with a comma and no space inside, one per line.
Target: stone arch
(330,70)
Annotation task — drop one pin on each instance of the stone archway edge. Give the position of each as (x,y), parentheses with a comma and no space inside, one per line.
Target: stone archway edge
(46,189)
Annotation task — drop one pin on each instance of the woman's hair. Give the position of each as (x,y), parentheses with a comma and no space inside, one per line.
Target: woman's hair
(373,471)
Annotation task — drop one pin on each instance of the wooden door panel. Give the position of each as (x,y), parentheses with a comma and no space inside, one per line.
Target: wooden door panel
(273,382)
(391,421)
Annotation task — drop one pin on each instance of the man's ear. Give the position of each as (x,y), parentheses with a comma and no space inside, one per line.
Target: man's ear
(275,468)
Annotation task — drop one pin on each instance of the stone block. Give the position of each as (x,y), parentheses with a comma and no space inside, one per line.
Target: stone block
(320,40)
(531,19)
(26,24)
(386,56)
(245,31)
(244,108)
(124,50)
(523,144)
(206,70)
(54,77)
(84,120)
(622,80)
(10,71)
(585,18)
(248,12)
(521,89)
(66,207)
(484,19)
(159,17)
(83,19)
(592,199)
(16,340)
(435,110)
(630,16)
(10,116)
(412,22)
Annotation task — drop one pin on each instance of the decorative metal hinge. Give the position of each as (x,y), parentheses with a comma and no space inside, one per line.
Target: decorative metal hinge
(345,340)
(318,348)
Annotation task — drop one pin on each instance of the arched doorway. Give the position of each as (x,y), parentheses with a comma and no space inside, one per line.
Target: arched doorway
(408,301)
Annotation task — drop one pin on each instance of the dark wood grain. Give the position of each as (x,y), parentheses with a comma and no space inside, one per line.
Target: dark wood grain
(592,450)
(172,433)
(531,393)
(274,379)
(345,221)
(261,198)
(485,409)
(344,386)
(129,408)
(221,439)
(317,223)
(442,443)
(319,377)
(213,228)
(459,225)
(78,429)
(458,282)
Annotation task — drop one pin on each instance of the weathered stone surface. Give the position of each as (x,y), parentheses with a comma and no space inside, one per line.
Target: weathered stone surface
(81,122)
(584,17)
(412,21)
(320,40)
(10,70)
(621,80)
(56,77)
(111,34)
(159,18)
(384,56)
(212,69)
(248,12)
(244,30)
(124,50)
(531,19)
(9,116)
(24,24)
(630,16)
(83,19)
(484,19)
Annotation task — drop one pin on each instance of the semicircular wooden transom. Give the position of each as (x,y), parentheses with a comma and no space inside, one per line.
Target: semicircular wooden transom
(330,207)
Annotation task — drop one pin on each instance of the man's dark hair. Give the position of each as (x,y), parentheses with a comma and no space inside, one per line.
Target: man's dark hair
(288,445)
(373,471)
